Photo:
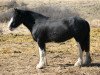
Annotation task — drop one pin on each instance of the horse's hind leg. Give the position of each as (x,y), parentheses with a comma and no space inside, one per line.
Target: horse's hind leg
(87,50)
(88,59)
(80,59)
(84,44)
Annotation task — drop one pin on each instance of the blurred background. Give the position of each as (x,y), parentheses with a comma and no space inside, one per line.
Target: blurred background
(88,9)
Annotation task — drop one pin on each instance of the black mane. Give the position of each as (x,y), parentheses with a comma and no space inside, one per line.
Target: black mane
(34,14)
(37,15)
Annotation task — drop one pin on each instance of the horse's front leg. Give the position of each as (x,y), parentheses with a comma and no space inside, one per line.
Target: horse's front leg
(42,53)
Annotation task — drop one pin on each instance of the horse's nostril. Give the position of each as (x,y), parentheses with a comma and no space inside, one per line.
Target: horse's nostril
(11,29)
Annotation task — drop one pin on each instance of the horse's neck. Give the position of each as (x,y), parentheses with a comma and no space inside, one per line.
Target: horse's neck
(31,26)
(39,19)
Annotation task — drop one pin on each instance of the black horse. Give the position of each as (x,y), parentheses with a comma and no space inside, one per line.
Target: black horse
(44,29)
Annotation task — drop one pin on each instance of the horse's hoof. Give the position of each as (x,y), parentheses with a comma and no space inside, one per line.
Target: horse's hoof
(87,62)
(40,66)
(78,64)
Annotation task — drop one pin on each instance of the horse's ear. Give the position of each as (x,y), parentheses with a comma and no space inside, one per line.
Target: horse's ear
(15,9)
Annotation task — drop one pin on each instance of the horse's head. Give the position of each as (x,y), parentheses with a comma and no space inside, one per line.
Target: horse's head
(26,17)
(21,17)
(16,20)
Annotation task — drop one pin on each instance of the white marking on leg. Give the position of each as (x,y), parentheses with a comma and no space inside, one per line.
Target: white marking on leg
(80,60)
(11,20)
(42,61)
(88,58)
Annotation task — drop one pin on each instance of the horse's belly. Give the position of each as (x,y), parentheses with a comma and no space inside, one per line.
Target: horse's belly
(60,37)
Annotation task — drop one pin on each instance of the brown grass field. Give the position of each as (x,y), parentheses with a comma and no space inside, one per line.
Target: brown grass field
(19,53)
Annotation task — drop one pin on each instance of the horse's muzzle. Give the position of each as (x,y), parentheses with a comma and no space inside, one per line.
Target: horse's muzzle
(11,29)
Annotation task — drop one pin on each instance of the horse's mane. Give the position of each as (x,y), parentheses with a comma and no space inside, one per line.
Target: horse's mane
(35,14)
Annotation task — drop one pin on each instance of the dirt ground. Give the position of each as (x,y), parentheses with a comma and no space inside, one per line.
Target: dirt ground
(19,56)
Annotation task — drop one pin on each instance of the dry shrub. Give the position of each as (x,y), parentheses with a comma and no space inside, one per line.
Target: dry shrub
(56,12)
(7,9)
(54,9)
